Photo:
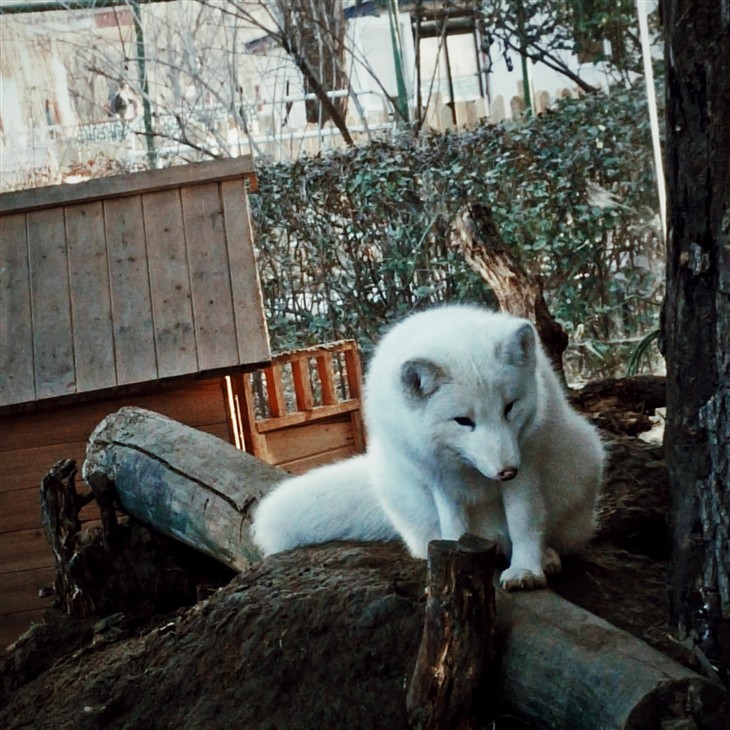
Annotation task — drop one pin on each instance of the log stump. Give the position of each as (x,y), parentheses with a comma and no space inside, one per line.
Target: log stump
(457,642)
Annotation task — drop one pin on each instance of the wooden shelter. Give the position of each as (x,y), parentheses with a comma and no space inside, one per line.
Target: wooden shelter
(142,290)
(138,289)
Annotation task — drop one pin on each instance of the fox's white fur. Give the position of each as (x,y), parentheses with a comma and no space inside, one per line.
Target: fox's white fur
(468,431)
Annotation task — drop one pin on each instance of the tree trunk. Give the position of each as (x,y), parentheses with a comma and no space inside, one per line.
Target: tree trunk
(696,326)
(476,235)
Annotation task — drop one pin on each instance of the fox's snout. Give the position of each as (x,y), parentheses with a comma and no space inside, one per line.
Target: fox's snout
(506,474)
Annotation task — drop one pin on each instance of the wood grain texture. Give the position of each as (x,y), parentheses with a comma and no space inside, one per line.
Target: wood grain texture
(93,335)
(31,443)
(303,441)
(53,352)
(606,678)
(129,280)
(25,550)
(17,383)
(210,276)
(197,403)
(457,644)
(130,184)
(169,284)
(325,373)
(134,341)
(20,509)
(251,330)
(186,484)
(20,590)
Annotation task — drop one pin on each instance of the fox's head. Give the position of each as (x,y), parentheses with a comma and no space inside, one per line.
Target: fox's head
(478,400)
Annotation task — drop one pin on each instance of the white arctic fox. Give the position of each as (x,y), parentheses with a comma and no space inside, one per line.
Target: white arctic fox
(468,431)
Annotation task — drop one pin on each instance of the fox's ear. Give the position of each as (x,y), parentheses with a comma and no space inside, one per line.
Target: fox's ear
(520,348)
(422,378)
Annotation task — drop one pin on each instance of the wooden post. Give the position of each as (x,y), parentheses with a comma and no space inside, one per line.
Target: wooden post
(302,383)
(457,642)
(326,378)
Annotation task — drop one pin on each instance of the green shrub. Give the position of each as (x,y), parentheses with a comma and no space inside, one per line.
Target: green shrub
(354,239)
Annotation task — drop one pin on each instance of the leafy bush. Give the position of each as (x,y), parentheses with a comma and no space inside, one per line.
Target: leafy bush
(355,239)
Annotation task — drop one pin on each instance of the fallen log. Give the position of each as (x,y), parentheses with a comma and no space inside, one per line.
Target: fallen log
(558,665)
(563,667)
(183,482)
(637,393)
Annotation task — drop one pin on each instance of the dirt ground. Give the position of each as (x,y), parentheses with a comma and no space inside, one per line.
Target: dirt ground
(322,637)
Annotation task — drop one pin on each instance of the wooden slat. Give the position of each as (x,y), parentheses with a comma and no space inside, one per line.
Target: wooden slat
(315,350)
(303,441)
(134,346)
(19,590)
(275,391)
(255,443)
(195,403)
(325,370)
(251,330)
(90,304)
(354,372)
(130,184)
(169,284)
(267,425)
(302,384)
(210,277)
(53,357)
(20,509)
(24,468)
(300,466)
(24,550)
(358,431)
(17,383)
(219,430)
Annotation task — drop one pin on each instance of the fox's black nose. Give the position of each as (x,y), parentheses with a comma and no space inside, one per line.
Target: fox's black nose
(506,474)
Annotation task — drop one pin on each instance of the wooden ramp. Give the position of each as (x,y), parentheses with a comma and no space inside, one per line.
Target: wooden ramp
(303,410)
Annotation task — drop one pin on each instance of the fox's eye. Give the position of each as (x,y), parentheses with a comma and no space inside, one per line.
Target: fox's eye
(465,421)
(508,408)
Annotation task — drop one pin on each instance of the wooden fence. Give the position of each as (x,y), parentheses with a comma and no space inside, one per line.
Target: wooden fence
(304,409)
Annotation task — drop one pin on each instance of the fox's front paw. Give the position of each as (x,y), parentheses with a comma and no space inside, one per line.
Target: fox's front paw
(515,578)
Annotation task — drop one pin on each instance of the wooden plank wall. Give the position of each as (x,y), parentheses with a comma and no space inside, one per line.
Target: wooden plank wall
(128,279)
(31,443)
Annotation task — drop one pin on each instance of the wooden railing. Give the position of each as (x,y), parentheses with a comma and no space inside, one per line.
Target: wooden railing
(303,410)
